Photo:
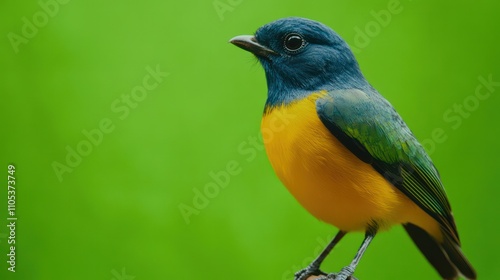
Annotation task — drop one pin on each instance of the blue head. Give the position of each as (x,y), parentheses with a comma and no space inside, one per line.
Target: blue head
(301,56)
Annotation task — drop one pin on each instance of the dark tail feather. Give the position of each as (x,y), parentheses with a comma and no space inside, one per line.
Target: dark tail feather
(432,251)
(447,258)
(458,258)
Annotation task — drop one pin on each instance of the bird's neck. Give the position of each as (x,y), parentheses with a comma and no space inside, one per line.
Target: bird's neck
(281,93)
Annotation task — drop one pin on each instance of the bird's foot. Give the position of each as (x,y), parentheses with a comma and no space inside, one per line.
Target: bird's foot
(334,276)
(345,274)
(310,270)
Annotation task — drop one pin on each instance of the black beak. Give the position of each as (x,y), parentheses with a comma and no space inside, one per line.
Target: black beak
(249,43)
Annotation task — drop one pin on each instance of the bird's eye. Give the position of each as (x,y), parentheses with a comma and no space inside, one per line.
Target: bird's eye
(294,42)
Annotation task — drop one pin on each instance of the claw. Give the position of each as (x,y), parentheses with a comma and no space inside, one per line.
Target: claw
(305,273)
(345,274)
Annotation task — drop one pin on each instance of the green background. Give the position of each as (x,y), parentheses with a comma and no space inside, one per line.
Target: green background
(116,214)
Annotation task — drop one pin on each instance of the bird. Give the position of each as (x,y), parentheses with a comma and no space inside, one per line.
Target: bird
(343,151)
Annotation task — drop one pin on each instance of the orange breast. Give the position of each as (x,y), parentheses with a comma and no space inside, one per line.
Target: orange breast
(324,176)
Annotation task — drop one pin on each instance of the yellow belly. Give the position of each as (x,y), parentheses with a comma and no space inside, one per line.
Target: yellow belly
(326,178)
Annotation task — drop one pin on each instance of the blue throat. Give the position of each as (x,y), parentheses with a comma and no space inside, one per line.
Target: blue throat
(283,93)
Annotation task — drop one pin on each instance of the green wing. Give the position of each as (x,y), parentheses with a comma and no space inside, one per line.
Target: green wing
(370,128)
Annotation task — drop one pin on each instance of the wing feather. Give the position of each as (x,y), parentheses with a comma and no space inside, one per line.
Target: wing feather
(370,128)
